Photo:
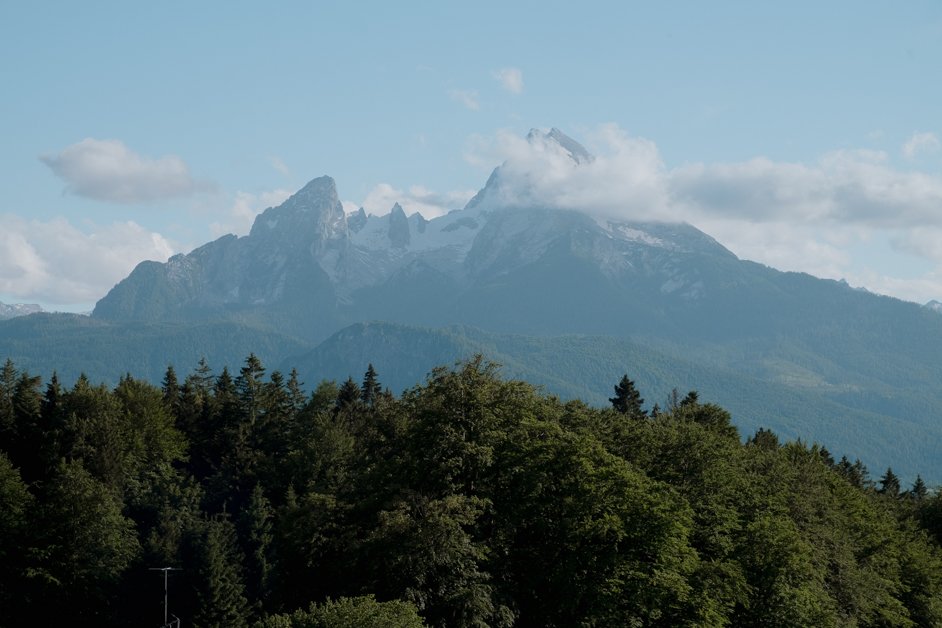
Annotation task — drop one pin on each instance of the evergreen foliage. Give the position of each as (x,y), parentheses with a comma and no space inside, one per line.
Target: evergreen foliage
(627,399)
(352,612)
(470,500)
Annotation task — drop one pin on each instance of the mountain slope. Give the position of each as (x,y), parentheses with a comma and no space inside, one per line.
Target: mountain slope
(71,344)
(882,429)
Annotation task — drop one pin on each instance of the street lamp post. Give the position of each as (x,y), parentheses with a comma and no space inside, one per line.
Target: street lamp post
(166,571)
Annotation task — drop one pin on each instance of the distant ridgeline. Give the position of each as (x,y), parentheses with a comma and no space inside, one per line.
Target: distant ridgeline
(17,309)
(562,298)
(468,500)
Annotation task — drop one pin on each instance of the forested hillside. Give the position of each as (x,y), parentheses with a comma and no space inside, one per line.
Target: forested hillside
(468,500)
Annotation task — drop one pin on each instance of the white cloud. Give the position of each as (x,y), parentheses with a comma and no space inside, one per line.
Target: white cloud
(843,187)
(628,179)
(416,199)
(925,242)
(245,207)
(468,98)
(107,170)
(814,217)
(55,262)
(278,164)
(921,144)
(511,79)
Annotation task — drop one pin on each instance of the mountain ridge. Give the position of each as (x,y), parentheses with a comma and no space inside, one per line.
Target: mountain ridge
(12,310)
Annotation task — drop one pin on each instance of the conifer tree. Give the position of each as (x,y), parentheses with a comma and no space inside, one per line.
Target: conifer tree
(889,483)
(296,391)
(627,399)
(766,439)
(7,384)
(215,575)
(256,528)
(52,398)
(371,387)
(172,392)
(919,490)
(30,432)
(249,384)
(348,394)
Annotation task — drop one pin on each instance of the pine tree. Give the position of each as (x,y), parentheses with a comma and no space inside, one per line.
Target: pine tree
(8,376)
(215,575)
(202,376)
(52,398)
(30,432)
(371,386)
(172,391)
(296,391)
(766,439)
(256,523)
(348,394)
(627,399)
(889,483)
(249,384)
(855,473)
(919,490)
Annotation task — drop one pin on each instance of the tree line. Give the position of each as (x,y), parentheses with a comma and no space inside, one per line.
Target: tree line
(468,500)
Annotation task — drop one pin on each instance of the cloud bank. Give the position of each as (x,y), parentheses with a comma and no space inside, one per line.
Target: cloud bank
(107,170)
(813,217)
(55,262)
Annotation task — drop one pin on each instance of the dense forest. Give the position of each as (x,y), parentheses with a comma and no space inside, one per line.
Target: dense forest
(469,500)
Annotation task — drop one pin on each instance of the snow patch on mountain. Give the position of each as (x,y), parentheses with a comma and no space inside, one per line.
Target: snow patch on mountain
(455,231)
(13,310)
(629,232)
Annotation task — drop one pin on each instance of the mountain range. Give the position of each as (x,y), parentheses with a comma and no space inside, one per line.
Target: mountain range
(8,311)
(563,298)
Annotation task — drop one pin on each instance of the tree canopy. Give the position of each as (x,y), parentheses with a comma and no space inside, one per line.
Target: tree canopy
(469,500)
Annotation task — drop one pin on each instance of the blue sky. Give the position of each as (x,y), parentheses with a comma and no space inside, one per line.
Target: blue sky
(802,135)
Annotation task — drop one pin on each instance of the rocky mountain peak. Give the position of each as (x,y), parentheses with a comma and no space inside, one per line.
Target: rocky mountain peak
(356,220)
(398,227)
(508,186)
(18,309)
(576,151)
(312,213)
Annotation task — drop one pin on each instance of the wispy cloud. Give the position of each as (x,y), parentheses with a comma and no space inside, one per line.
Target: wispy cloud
(278,164)
(468,98)
(511,79)
(416,199)
(921,144)
(107,170)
